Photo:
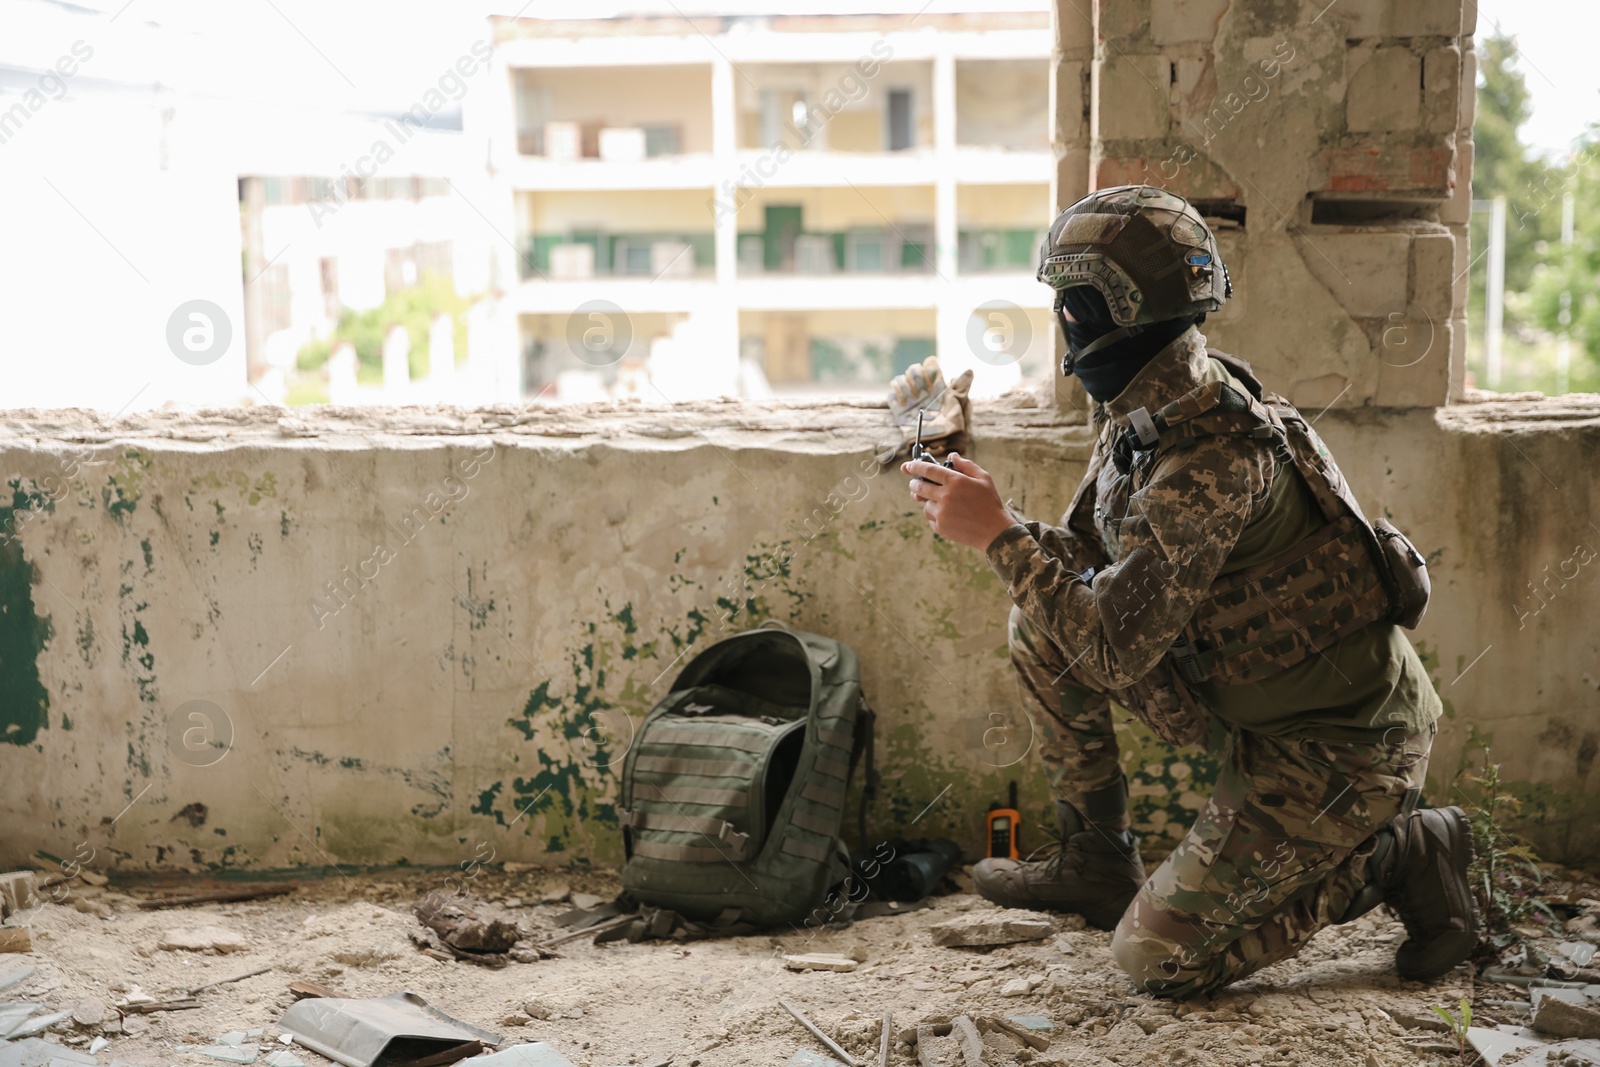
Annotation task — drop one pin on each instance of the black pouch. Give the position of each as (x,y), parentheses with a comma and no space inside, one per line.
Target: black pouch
(1409,587)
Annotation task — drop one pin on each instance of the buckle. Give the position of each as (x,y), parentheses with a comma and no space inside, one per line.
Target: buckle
(1144,427)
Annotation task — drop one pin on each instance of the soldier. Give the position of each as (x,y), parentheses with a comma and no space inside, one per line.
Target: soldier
(1214,576)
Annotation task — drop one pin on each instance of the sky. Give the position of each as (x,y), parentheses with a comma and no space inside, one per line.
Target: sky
(1556,54)
(370,54)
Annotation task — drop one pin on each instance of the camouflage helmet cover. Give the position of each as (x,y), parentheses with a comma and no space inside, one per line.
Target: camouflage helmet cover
(1147,251)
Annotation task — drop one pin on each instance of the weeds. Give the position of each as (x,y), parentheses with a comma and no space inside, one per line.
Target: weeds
(1505,871)
(1458,1026)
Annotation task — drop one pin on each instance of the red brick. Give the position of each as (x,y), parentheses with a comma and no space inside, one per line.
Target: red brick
(1379,167)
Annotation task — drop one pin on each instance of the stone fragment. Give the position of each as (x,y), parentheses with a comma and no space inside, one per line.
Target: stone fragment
(202,939)
(19,891)
(556,894)
(16,939)
(1016,987)
(587,900)
(97,1044)
(1565,1013)
(968,1041)
(1579,952)
(819,961)
(991,928)
(89,1013)
(460,924)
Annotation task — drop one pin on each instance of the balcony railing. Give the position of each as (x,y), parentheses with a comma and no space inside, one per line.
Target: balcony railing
(997,250)
(580,256)
(906,250)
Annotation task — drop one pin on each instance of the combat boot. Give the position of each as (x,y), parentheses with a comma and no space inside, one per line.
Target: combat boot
(1419,869)
(1089,870)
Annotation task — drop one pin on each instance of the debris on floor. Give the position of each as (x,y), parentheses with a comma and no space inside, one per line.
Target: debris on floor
(1566,1012)
(992,928)
(19,891)
(820,961)
(203,939)
(537,1054)
(465,931)
(1053,996)
(399,1030)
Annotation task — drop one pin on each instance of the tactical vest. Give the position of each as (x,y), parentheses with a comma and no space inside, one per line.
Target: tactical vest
(1349,574)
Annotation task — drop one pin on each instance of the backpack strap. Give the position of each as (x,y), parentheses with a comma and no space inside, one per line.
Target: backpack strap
(865,733)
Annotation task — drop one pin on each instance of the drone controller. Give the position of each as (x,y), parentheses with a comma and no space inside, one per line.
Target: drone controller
(920,454)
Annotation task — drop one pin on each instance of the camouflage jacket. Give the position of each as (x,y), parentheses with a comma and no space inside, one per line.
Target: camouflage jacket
(1155,534)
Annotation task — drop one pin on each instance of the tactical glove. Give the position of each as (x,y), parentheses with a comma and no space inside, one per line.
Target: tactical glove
(947,411)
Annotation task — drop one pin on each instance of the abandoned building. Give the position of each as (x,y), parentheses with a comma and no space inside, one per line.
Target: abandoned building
(356,654)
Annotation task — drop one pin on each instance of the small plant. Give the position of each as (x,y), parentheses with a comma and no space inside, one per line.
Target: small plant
(1458,1026)
(1506,878)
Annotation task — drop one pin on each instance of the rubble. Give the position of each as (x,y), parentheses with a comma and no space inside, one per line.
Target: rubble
(820,961)
(1565,1013)
(203,939)
(459,923)
(984,928)
(19,891)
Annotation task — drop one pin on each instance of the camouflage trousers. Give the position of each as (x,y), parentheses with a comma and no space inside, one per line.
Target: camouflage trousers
(1278,852)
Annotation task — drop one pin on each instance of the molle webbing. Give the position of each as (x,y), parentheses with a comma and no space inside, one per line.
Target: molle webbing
(1264,619)
(734,786)
(1269,617)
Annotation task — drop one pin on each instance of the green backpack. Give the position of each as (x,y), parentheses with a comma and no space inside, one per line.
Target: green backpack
(733,790)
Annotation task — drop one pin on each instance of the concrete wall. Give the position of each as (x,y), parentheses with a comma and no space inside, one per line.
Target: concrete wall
(385,637)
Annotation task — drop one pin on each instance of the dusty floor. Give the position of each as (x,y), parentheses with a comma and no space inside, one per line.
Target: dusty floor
(715,1002)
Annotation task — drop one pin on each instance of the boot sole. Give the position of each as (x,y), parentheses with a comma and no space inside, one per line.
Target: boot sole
(1462,942)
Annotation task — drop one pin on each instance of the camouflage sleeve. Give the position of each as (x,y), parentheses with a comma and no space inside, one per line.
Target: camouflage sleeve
(1061,543)
(1179,530)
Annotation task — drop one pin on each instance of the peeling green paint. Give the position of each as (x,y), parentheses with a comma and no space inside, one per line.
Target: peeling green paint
(24,702)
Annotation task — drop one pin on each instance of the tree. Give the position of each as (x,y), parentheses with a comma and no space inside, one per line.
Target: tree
(1501,166)
(1574,269)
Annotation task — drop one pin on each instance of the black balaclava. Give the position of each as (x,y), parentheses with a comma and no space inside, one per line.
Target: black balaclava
(1107,372)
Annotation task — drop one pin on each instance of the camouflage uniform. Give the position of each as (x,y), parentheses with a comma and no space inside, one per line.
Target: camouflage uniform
(1318,756)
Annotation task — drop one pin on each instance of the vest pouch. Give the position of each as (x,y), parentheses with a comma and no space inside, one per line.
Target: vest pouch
(1409,587)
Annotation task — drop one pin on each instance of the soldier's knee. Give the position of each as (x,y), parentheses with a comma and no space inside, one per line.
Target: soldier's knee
(1159,967)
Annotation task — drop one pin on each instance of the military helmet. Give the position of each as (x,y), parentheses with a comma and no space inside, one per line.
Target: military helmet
(1146,250)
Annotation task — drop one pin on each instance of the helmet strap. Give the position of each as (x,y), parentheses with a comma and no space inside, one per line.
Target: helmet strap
(1121,333)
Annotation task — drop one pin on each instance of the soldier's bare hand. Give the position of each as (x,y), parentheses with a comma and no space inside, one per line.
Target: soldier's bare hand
(961,504)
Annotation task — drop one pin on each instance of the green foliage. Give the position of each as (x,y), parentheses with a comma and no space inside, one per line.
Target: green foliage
(1458,1025)
(1501,165)
(1539,269)
(1505,871)
(1574,270)
(413,309)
